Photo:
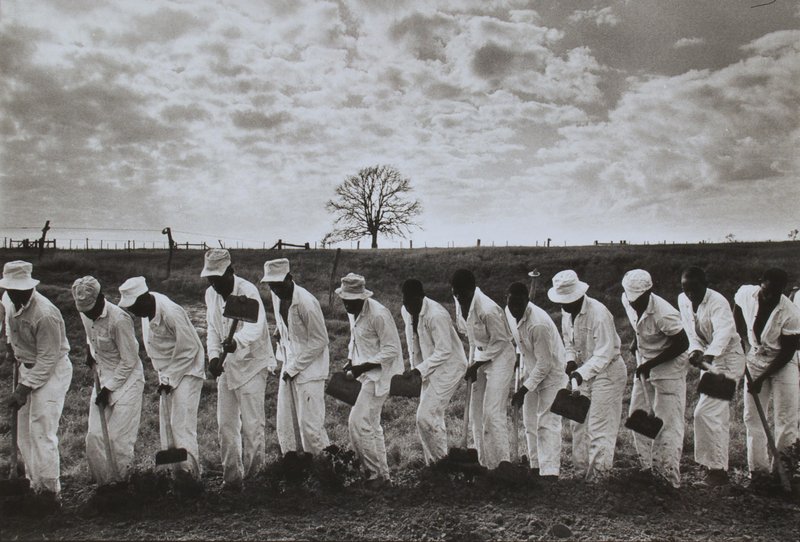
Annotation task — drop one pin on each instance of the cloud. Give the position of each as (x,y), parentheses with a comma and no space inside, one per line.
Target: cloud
(160,26)
(255,120)
(600,17)
(688,42)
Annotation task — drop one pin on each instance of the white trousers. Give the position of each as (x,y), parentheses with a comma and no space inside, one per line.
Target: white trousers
(593,441)
(310,403)
(488,415)
(433,400)
(183,402)
(122,419)
(783,390)
(242,422)
(37,429)
(712,418)
(366,433)
(662,454)
(542,427)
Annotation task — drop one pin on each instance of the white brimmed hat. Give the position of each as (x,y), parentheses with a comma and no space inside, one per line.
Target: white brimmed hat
(275,270)
(566,287)
(85,291)
(353,287)
(217,261)
(17,276)
(635,283)
(130,291)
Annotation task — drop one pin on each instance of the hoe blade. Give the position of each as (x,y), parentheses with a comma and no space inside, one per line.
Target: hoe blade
(241,307)
(172,455)
(645,424)
(717,386)
(570,406)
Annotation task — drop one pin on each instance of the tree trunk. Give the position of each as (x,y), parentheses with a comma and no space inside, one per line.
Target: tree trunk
(375,239)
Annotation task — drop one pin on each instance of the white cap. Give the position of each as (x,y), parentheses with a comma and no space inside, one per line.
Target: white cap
(353,287)
(130,290)
(85,291)
(566,287)
(275,270)
(635,283)
(17,276)
(217,261)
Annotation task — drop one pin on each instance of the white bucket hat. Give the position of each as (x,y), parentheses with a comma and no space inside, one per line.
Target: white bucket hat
(85,291)
(17,276)
(130,290)
(217,261)
(275,270)
(566,287)
(353,287)
(635,283)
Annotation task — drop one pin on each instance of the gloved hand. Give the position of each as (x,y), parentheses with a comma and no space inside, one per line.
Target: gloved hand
(696,357)
(359,370)
(755,387)
(287,377)
(643,371)
(19,397)
(709,360)
(215,367)
(229,346)
(571,366)
(166,388)
(472,371)
(90,361)
(576,376)
(103,397)
(518,398)
(412,372)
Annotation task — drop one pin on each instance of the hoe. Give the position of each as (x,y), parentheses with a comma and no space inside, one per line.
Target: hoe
(14,486)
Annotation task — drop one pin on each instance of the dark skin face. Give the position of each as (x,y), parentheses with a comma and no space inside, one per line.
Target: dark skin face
(770,293)
(640,303)
(464,297)
(95,312)
(573,308)
(413,303)
(283,289)
(223,285)
(353,306)
(19,297)
(694,288)
(145,306)
(516,305)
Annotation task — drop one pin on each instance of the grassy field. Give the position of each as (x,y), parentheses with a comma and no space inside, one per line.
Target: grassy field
(602,267)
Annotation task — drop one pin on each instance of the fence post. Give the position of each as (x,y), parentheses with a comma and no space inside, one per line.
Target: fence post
(168,232)
(87,243)
(358,245)
(410,244)
(41,240)
(479,243)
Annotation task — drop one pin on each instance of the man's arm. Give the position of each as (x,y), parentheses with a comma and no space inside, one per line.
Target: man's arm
(249,332)
(442,345)
(724,328)
(545,356)
(605,348)
(49,334)
(496,326)
(213,338)
(312,318)
(741,326)
(125,339)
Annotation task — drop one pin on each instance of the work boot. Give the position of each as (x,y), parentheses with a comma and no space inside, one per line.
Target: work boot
(715,478)
(44,502)
(232,487)
(760,481)
(535,472)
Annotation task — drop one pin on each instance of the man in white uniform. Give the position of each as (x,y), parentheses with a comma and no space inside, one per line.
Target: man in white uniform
(175,349)
(35,330)
(303,349)
(492,369)
(113,353)
(708,321)
(660,345)
(243,374)
(542,368)
(436,354)
(595,364)
(376,356)
(771,324)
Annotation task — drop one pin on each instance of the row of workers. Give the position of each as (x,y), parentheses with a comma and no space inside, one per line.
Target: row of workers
(587,352)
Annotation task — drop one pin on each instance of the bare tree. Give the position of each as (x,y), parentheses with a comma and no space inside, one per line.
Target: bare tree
(731,238)
(371,202)
(793,234)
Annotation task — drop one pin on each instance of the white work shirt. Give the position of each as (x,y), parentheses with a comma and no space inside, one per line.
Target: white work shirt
(784,320)
(374,339)
(172,343)
(654,331)
(38,336)
(711,330)
(253,347)
(112,342)
(436,343)
(486,327)
(304,338)
(591,341)
(541,349)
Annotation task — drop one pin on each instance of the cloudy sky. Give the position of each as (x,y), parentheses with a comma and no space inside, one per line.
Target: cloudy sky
(515,121)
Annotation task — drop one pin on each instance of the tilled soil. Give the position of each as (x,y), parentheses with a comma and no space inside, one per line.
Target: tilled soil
(425,505)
